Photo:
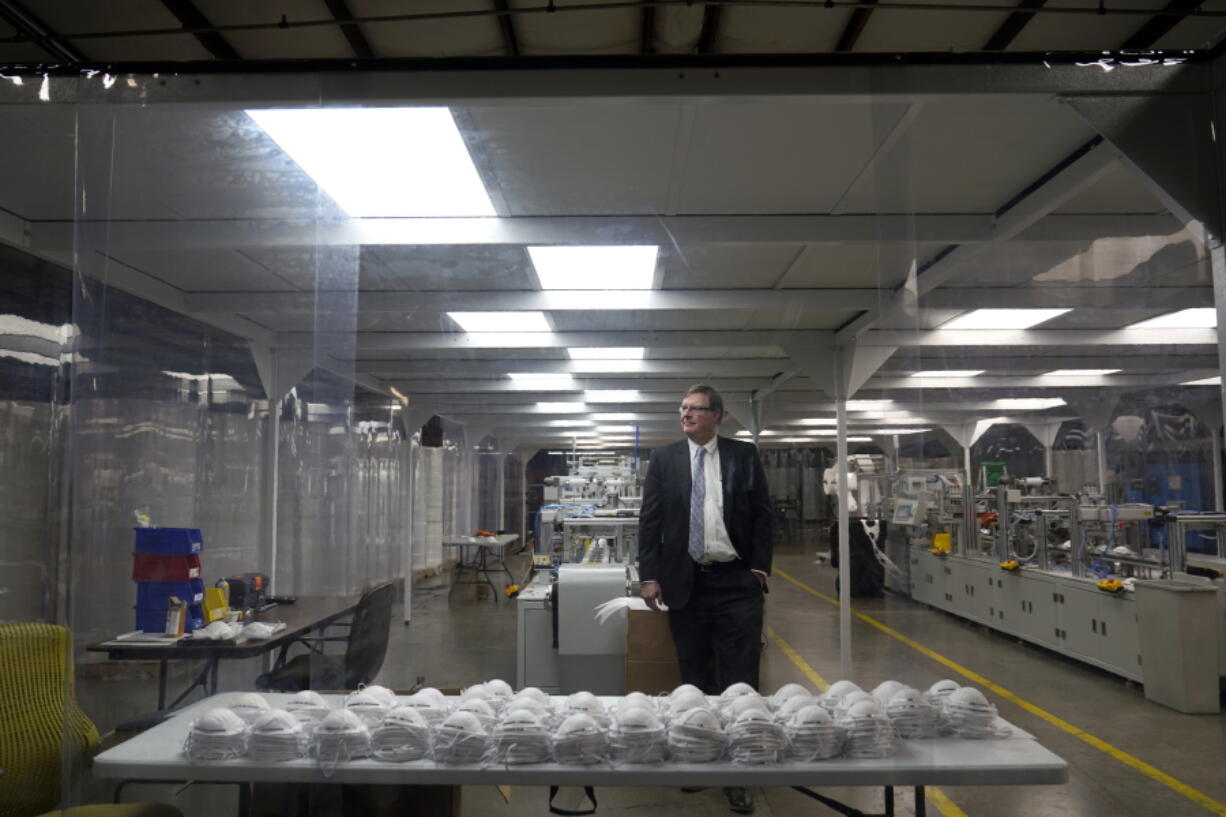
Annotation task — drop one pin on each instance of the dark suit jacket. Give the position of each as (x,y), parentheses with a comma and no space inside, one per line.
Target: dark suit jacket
(664,521)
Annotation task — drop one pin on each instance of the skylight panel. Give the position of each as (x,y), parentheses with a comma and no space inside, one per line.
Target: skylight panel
(1027,402)
(541,381)
(595,267)
(1080,372)
(560,408)
(1201,317)
(501,321)
(1003,318)
(612,395)
(606,352)
(382,162)
(948,373)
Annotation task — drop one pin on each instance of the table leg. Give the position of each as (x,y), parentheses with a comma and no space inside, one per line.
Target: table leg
(162,664)
(921,803)
(889,801)
(211,687)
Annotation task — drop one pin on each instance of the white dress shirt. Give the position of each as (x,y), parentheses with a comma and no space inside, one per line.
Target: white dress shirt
(716,543)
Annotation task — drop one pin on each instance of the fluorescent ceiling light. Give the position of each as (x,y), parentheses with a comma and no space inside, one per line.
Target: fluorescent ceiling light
(818,421)
(606,352)
(580,433)
(1079,372)
(1202,317)
(893,431)
(382,161)
(810,440)
(536,381)
(744,432)
(607,366)
(612,395)
(611,267)
(477,322)
(869,405)
(614,415)
(1003,318)
(1216,380)
(561,408)
(615,429)
(949,373)
(568,423)
(1027,402)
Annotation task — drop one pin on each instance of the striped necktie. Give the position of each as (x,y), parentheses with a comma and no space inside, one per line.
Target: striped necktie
(698,496)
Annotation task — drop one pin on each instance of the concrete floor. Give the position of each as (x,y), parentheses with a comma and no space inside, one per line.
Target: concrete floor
(1127,756)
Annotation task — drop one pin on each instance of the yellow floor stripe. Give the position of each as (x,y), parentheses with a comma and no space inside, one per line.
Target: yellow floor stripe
(1152,772)
(938,797)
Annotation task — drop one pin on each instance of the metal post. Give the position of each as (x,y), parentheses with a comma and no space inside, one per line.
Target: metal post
(844,540)
(1215,455)
(1102,465)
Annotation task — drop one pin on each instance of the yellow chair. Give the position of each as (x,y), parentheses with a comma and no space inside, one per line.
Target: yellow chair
(45,738)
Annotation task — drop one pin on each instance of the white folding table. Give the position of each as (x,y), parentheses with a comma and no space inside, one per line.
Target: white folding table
(490,557)
(1015,760)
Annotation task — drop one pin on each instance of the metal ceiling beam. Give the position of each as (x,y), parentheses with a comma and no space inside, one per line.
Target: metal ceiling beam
(507,26)
(192,18)
(707,36)
(1038,360)
(855,26)
(420,303)
(1160,25)
(503,384)
(339,9)
(1160,338)
(206,234)
(398,341)
(449,367)
(1069,177)
(1013,25)
(30,27)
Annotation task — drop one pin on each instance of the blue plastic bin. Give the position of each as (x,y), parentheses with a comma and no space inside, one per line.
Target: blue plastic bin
(169,541)
(155,594)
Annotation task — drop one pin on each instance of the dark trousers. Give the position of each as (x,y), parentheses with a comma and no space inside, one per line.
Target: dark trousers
(718,634)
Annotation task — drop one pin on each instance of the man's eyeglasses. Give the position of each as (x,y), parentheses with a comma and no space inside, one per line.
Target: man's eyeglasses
(688,409)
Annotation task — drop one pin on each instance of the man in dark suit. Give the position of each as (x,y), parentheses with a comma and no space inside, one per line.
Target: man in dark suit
(705,550)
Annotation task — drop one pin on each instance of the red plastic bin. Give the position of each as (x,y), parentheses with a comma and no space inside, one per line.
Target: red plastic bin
(154,567)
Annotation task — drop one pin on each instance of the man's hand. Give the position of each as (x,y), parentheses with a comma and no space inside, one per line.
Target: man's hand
(651,594)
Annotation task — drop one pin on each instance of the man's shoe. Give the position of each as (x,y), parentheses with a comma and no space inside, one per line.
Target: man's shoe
(739,799)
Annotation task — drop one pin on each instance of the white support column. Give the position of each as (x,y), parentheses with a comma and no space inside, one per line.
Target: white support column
(840,408)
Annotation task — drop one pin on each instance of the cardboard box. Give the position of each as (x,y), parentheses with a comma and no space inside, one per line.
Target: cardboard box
(176,617)
(651,659)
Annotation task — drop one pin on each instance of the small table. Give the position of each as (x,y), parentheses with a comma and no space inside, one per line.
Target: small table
(489,558)
(1019,759)
(307,615)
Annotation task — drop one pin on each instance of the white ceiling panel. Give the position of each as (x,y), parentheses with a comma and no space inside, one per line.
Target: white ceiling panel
(325,268)
(449,267)
(583,159)
(766,157)
(1195,32)
(325,42)
(40,185)
(702,266)
(594,32)
(767,30)
(848,266)
(1082,32)
(663,320)
(960,158)
(205,270)
(475,36)
(1119,191)
(894,29)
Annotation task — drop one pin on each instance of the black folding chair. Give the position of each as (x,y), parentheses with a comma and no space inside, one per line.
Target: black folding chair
(365,648)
